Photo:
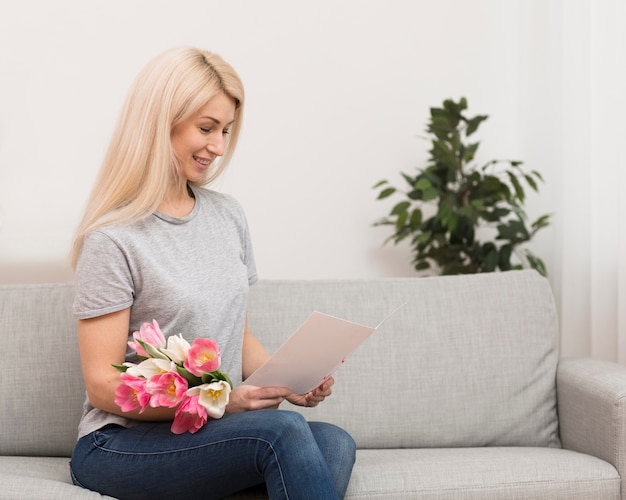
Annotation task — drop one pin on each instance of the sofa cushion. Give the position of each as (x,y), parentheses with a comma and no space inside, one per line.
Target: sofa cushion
(40,478)
(42,388)
(470,360)
(476,474)
(482,473)
(444,474)
(467,361)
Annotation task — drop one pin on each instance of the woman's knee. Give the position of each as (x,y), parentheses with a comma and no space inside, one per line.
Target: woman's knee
(290,423)
(333,436)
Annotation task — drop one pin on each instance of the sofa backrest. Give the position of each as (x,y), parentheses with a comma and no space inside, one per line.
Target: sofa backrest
(40,375)
(467,361)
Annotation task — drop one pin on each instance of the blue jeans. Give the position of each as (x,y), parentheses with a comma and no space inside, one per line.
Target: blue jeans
(296,459)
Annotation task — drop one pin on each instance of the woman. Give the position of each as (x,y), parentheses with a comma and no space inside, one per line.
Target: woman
(154,244)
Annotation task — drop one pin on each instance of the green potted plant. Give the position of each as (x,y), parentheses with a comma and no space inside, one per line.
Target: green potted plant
(463,217)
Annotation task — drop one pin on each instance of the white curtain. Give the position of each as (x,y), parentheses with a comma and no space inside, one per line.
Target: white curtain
(589,275)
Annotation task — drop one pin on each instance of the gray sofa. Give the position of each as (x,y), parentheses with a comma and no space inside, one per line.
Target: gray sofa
(460,395)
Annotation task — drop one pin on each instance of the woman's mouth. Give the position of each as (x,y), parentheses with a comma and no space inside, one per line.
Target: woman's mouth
(202,161)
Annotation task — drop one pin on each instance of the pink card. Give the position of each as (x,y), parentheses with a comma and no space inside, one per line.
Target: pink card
(312,354)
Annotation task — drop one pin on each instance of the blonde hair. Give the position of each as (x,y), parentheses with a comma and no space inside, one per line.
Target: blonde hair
(140,165)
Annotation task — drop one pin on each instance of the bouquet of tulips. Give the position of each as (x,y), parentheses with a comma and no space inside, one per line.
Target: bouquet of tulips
(174,374)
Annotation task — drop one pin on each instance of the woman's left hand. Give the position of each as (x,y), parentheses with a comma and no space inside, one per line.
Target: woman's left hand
(315,397)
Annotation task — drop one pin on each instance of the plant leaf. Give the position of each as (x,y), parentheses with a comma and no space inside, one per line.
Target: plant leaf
(491,260)
(188,376)
(383,222)
(541,222)
(474,123)
(410,180)
(416,194)
(519,191)
(401,220)
(151,351)
(423,183)
(443,154)
(504,258)
(429,194)
(385,193)
(470,152)
(536,263)
(400,208)
(216,376)
(531,182)
(416,219)
(422,265)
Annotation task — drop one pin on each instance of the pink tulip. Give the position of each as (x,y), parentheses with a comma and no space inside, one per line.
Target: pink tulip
(204,356)
(166,389)
(190,416)
(131,393)
(151,334)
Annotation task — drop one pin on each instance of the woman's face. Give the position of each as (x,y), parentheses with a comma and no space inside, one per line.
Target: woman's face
(200,139)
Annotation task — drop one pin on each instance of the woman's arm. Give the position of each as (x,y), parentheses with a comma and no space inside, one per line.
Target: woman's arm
(253,353)
(102,343)
(249,397)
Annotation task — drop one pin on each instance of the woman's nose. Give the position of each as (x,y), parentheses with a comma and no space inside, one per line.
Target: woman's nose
(216,145)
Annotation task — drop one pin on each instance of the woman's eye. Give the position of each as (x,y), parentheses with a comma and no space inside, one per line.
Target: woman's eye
(205,130)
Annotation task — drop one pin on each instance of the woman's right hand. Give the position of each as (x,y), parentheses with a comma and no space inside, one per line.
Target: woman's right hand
(250,397)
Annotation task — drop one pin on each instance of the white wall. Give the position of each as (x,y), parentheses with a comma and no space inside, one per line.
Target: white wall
(338,93)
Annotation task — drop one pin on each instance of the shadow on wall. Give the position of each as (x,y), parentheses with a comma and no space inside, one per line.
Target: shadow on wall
(16,272)
(392,261)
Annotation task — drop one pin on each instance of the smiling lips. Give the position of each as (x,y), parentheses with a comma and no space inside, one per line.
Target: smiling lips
(203,161)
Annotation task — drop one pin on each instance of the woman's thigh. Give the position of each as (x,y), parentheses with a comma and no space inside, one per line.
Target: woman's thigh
(226,455)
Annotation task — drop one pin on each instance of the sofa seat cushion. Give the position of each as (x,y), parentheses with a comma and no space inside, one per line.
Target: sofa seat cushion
(440,474)
(40,478)
(476,474)
(479,473)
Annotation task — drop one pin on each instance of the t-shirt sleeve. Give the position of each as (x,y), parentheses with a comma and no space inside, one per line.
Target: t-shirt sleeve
(103,279)
(249,258)
(247,250)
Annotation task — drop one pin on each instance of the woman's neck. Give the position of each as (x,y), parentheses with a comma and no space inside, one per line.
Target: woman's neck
(178,203)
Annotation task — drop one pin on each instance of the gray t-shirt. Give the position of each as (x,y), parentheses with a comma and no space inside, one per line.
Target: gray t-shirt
(190,274)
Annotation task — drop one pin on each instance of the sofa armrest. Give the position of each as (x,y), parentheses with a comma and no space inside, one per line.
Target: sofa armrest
(591,398)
